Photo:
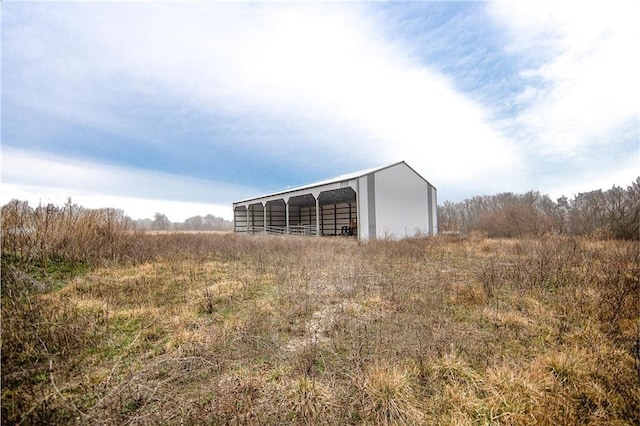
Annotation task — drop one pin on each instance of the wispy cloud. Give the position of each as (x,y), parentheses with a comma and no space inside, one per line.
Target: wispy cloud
(581,89)
(342,94)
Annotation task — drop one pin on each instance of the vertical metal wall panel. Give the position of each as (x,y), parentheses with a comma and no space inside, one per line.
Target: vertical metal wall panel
(371,205)
(429,209)
(363,209)
(402,205)
(434,209)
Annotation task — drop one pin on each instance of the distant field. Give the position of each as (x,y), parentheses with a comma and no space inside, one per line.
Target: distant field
(217,328)
(157,232)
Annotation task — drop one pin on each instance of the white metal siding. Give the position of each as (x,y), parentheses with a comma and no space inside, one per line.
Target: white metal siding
(402,208)
(363,210)
(434,210)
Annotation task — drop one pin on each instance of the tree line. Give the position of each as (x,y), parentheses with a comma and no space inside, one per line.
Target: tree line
(161,222)
(613,213)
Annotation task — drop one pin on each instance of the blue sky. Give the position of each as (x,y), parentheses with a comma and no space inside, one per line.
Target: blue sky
(182,108)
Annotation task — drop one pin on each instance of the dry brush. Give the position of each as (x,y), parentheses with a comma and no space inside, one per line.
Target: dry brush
(220,328)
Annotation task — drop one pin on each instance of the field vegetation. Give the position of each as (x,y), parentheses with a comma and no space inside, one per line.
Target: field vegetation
(103,324)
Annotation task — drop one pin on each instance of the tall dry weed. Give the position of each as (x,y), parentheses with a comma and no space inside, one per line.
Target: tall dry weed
(230,329)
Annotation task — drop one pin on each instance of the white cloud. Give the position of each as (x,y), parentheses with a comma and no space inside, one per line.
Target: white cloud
(136,208)
(585,71)
(38,177)
(623,176)
(328,73)
(316,66)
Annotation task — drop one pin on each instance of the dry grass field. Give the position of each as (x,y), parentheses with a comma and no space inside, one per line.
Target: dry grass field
(228,329)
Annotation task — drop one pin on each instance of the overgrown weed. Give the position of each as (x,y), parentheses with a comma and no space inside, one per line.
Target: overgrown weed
(222,328)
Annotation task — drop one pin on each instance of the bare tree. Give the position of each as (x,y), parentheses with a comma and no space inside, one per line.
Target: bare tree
(160,222)
(615,212)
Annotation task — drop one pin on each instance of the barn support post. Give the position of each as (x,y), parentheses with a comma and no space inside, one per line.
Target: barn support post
(264,212)
(317,216)
(286,209)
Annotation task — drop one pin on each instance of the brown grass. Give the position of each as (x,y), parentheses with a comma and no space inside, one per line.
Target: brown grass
(221,328)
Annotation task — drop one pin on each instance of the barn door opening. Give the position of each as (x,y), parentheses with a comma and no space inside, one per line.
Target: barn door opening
(338,212)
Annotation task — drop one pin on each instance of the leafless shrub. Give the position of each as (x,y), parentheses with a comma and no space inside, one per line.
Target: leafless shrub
(69,233)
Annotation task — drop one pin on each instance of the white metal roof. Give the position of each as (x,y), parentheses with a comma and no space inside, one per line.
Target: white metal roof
(336,179)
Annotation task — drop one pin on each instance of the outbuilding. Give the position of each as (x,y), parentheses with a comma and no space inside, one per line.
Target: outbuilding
(392,201)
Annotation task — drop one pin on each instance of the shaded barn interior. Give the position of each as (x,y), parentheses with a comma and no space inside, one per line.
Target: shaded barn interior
(336,210)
